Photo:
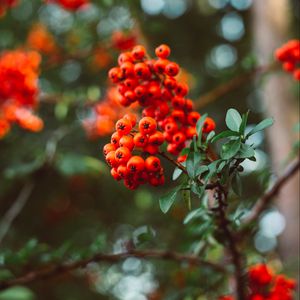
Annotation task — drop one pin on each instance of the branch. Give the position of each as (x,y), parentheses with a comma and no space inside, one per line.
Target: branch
(231,85)
(56,270)
(174,162)
(15,209)
(236,256)
(263,202)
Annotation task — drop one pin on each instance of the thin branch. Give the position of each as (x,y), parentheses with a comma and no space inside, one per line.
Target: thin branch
(57,270)
(264,201)
(231,85)
(174,162)
(15,209)
(236,256)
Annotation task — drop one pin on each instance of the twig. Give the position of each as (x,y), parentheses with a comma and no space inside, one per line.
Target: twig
(174,162)
(15,209)
(56,270)
(231,85)
(236,257)
(263,202)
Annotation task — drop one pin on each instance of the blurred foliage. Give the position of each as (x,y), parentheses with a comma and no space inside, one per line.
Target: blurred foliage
(76,209)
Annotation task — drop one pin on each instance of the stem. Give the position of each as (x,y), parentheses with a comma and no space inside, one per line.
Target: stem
(236,256)
(59,269)
(174,162)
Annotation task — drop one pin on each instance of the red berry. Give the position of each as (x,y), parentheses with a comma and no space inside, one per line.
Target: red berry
(138,52)
(209,125)
(107,148)
(135,164)
(156,138)
(115,174)
(179,138)
(193,118)
(126,141)
(141,70)
(115,139)
(111,160)
(122,155)
(140,140)
(152,164)
(123,126)
(147,125)
(172,69)
(163,51)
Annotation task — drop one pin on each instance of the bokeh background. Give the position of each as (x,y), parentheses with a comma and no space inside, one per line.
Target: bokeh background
(75,208)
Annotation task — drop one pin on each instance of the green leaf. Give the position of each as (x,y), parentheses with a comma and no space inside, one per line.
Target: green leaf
(233,120)
(193,214)
(17,293)
(224,134)
(261,126)
(143,234)
(245,151)
(197,189)
(166,201)
(177,172)
(192,163)
(201,169)
(210,136)
(237,184)
(199,125)
(244,123)
(230,149)
(186,195)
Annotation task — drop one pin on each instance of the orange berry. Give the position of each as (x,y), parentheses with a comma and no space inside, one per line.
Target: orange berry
(147,125)
(122,155)
(135,164)
(152,164)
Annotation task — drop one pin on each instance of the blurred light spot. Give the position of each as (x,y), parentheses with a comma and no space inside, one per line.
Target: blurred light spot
(90,14)
(264,243)
(232,26)
(218,4)
(6,39)
(251,166)
(45,85)
(58,19)
(255,139)
(71,71)
(174,8)
(143,199)
(132,264)
(241,4)
(272,224)
(152,7)
(223,56)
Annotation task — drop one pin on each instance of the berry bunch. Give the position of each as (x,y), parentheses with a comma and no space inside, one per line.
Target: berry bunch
(72,5)
(119,153)
(5,4)
(18,90)
(168,116)
(152,84)
(264,285)
(289,55)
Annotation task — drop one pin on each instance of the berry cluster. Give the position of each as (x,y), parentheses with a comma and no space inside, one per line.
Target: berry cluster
(18,90)
(289,55)
(72,5)
(122,41)
(264,285)
(5,4)
(135,169)
(151,84)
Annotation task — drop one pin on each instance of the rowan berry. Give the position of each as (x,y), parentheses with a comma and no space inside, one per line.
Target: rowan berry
(141,70)
(209,125)
(126,141)
(123,127)
(147,125)
(156,138)
(131,117)
(115,174)
(162,51)
(127,69)
(115,138)
(172,69)
(122,155)
(107,148)
(122,171)
(151,149)
(123,57)
(171,127)
(140,140)
(140,91)
(115,74)
(110,158)
(193,118)
(152,164)
(160,65)
(138,52)
(136,164)
(179,138)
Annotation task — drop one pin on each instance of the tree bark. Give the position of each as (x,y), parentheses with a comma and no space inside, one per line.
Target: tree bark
(271,29)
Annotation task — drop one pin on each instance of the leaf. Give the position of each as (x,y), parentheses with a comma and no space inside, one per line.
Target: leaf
(201,169)
(143,234)
(186,195)
(245,151)
(166,201)
(237,184)
(177,172)
(193,214)
(261,126)
(197,189)
(210,136)
(17,293)
(244,123)
(233,119)
(192,163)
(230,149)
(199,125)
(224,134)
